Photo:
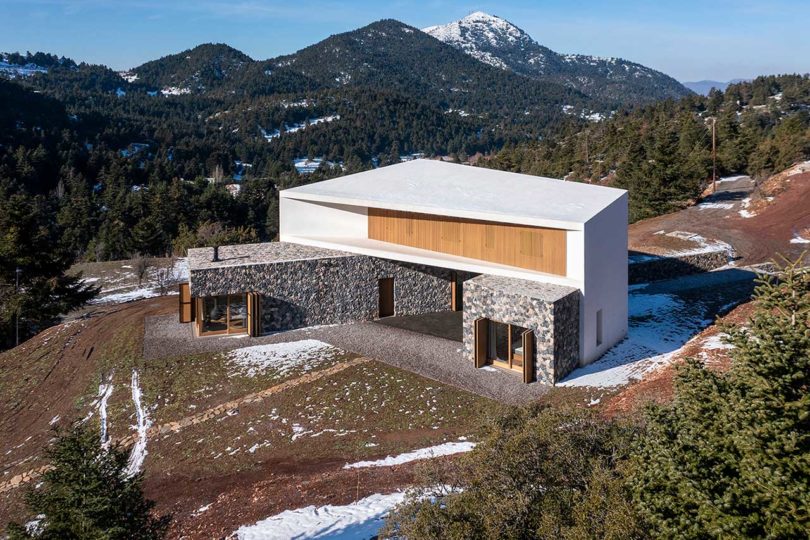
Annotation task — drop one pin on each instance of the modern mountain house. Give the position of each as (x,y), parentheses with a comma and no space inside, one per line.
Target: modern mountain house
(537,266)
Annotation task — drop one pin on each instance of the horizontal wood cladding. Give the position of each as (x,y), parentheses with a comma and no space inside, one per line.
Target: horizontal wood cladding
(522,246)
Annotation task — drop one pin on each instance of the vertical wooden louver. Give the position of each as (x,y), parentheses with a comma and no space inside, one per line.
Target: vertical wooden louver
(185,307)
(534,248)
(481,341)
(528,356)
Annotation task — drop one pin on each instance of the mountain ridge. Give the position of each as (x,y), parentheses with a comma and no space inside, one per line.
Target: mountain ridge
(498,42)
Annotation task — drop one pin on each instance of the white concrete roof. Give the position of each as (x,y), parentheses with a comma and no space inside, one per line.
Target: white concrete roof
(436,187)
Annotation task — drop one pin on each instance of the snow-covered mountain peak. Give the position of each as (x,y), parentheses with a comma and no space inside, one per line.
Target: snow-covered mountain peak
(499,43)
(479,27)
(480,34)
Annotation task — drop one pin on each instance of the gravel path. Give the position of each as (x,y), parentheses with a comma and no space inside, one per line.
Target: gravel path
(433,357)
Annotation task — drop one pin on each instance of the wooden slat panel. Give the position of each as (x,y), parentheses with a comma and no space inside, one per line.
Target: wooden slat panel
(533,248)
(186,311)
(481,340)
(528,356)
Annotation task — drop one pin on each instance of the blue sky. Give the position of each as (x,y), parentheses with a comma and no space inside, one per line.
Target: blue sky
(688,39)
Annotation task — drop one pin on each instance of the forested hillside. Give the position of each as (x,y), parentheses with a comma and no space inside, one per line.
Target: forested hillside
(661,152)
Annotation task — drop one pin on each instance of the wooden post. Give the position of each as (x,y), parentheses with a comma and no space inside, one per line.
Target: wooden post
(714,155)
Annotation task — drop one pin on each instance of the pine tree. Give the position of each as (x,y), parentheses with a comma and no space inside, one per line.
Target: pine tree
(730,458)
(88,495)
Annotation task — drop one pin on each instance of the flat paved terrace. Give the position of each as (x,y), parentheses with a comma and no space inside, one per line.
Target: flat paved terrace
(442,324)
(433,357)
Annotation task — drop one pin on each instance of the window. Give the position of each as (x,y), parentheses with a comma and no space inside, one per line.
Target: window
(598,328)
(506,345)
(222,314)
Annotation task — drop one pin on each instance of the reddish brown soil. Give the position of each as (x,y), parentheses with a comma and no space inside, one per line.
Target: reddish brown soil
(658,387)
(757,239)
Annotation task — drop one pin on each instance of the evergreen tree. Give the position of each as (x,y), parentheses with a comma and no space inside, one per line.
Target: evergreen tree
(730,457)
(88,495)
(539,473)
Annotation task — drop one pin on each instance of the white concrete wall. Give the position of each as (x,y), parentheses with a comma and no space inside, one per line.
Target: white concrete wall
(605,257)
(305,218)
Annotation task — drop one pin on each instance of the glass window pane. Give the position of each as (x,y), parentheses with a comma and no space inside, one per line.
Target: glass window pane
(499,341)
(517,345)
(238,307)
(214,314)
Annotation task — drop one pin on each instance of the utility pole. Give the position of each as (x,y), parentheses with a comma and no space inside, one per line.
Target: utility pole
(714,151)
(17,273)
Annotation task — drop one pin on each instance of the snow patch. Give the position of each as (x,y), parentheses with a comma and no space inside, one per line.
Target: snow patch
(281,358)
(716,342)
(798,239)
(445,449)
(360,520)
(658,328)
(105,391)
(143,423)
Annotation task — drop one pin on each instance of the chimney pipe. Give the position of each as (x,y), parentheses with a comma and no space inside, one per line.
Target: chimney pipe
(216,254)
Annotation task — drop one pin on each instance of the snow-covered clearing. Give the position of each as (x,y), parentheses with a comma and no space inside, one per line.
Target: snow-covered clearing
(281,358)
(143,423)
(444,449)
(360,520)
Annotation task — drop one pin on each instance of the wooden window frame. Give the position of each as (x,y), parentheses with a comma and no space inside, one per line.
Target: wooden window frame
(483,326)
(228,330)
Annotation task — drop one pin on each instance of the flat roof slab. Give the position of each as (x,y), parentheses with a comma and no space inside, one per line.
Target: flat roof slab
(436,187)
(545,292)
(262,253)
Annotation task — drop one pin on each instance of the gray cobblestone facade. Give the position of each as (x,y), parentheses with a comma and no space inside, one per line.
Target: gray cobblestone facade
(303,286)
(551,312)
(334,288)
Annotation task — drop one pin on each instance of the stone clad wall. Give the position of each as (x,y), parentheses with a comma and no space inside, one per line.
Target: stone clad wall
(555,324)
(656,268)
(329,290)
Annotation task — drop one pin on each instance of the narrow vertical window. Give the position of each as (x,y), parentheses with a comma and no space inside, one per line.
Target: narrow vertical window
(598,327)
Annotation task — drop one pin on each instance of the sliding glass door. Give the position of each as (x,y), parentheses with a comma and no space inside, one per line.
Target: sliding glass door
(222,314)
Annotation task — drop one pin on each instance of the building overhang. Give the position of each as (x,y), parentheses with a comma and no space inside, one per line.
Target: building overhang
(396,252)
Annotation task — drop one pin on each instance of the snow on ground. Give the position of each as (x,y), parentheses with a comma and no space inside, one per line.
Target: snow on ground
(662,318)
(657,329)
(716,342)
(745,212)
(715,206)
(731,178)
(143,423)
(703,245)
(175,91)
(122,288)
(281,358)
(797,239)
(105,391)
(360,520)
(445,449)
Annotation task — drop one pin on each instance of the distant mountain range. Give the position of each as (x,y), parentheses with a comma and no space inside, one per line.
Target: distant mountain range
(499,43)
(704,87)
(379,91)
(392,55)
